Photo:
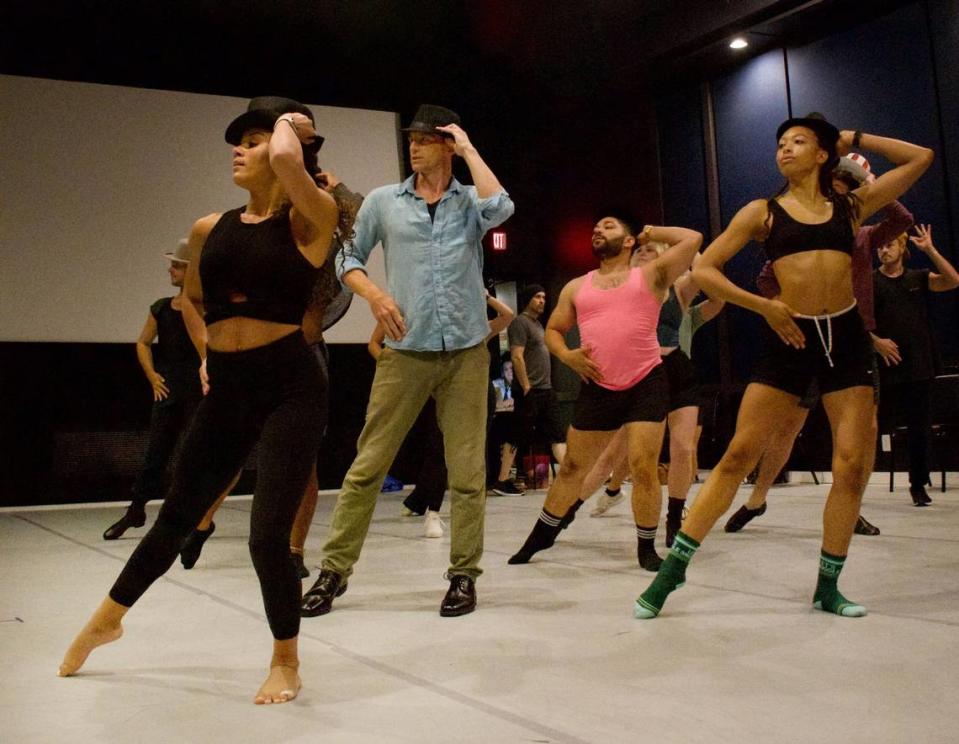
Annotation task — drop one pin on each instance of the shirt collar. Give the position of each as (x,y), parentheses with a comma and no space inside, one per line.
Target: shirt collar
(409,187)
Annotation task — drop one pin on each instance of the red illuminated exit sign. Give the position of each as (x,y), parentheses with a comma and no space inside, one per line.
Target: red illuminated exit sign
(499,240)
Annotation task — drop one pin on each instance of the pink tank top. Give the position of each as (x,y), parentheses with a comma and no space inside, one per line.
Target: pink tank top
(619,327)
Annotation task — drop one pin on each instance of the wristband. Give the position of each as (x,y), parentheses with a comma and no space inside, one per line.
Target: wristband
(856,138)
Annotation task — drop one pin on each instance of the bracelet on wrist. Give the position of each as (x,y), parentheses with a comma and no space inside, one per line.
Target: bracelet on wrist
(856,138)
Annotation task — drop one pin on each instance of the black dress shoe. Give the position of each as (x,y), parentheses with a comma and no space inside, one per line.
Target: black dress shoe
(461,597)
(743,517)
(319,599)
(301,570)
(865,528)
(135,517)
(919,496)
(193,545)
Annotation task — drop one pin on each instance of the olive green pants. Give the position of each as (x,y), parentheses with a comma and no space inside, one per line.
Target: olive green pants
(458,381)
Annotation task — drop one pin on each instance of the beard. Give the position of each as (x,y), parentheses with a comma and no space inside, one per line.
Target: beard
(609,248)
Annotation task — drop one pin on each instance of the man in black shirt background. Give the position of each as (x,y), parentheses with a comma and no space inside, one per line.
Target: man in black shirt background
(904,338)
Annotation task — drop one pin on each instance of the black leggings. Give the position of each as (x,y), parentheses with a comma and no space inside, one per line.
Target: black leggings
(271,395)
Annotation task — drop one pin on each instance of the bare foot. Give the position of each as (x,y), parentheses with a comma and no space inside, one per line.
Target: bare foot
(281,686)
(93,634)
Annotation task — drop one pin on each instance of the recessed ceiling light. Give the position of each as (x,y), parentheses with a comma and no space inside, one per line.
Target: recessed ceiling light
(738,43)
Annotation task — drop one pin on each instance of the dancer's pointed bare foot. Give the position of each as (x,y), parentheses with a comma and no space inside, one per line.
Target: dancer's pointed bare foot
(281,686)
(104,627)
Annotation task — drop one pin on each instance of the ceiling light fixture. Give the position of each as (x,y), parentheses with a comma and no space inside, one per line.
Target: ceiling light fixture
(738,43)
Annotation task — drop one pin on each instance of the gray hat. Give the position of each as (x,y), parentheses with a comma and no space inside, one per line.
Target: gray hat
(182,253)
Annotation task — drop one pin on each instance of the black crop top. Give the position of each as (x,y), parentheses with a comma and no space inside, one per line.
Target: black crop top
(788,235)
(258,261)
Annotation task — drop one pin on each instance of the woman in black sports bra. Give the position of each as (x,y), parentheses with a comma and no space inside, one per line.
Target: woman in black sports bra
(252,273)
(814,333)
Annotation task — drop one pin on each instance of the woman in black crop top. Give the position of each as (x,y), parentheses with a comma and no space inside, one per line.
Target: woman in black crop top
(815,334)
(252,272)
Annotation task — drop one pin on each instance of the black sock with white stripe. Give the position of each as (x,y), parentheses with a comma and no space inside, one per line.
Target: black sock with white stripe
(645,552)
(543,536)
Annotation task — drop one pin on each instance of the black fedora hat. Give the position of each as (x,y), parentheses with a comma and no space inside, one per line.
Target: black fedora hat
(826,133)
(262,112)
(428,117)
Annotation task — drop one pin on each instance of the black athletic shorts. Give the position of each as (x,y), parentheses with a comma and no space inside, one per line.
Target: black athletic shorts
(681,377)
(599,409)
(837,356)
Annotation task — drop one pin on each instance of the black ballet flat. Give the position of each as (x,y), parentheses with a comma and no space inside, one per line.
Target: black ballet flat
(135,516)
(193,545)
(743,517)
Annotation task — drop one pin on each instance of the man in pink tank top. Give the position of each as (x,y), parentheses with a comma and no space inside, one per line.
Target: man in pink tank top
(617,310)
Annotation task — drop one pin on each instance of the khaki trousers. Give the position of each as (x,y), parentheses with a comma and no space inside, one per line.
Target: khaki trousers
(458,381)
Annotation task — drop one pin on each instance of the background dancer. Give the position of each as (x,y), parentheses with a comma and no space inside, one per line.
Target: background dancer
(617,308)
(536,408)
(176,392)
(851,173)
(814,333)
(430,227)
(906,336)
(252,271)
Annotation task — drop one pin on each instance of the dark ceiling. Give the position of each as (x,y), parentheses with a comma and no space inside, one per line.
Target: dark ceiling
(556,94)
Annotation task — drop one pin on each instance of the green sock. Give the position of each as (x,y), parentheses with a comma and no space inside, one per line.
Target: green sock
(671,576)
(827,597)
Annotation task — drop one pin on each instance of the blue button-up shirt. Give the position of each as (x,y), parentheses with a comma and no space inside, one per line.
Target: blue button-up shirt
(434,268)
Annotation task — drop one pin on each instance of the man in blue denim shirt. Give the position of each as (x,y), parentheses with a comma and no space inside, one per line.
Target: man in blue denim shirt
(434,314)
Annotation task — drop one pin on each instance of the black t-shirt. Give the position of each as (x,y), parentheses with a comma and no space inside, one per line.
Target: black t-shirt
(176,355)
(902,314)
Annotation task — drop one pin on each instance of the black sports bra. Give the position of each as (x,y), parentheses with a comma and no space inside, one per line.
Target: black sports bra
(787,235)
(257,264)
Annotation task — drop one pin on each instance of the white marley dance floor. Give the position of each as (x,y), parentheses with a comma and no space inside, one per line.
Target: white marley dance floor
(552,654)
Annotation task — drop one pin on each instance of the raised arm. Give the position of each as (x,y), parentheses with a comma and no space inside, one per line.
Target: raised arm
(486,182)
(945,277)
(708,273)
(911,162)
(314,210)
(683,245)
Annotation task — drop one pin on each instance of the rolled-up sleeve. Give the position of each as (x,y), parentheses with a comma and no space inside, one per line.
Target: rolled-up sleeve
(493,210)
(366,235)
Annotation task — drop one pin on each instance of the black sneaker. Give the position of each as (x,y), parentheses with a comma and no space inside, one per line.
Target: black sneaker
(506,488)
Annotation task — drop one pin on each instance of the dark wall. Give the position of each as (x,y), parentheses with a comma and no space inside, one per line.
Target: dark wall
(894,75)
(74,421)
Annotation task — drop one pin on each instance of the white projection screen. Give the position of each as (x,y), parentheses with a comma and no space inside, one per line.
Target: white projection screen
(97,182)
